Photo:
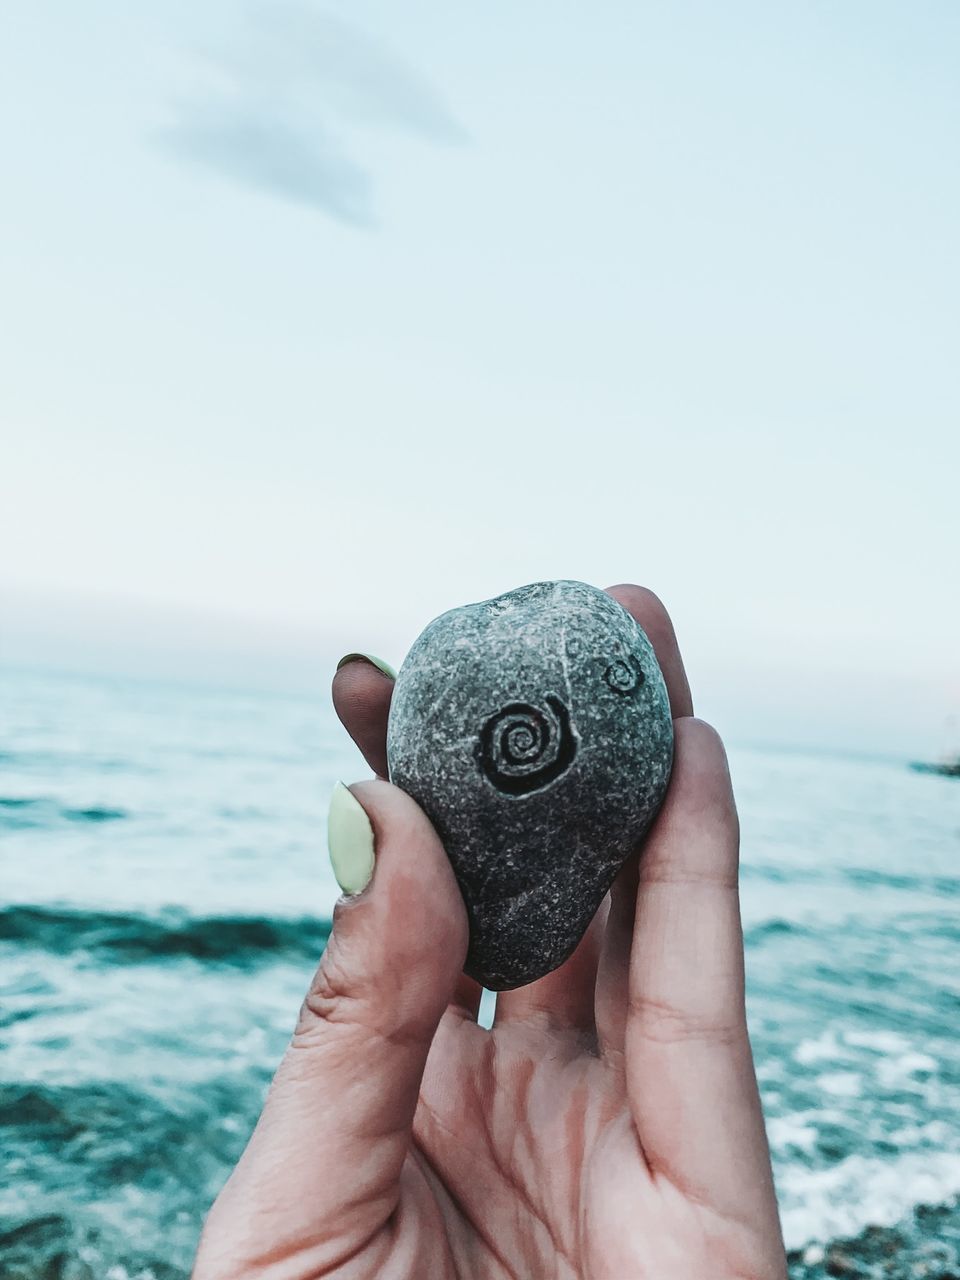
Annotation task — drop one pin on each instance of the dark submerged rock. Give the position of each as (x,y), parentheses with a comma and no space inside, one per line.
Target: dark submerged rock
(534,730)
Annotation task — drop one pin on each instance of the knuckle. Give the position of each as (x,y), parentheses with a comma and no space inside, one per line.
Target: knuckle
(662,874)
(667,1023)
(340,1007)
(331,998)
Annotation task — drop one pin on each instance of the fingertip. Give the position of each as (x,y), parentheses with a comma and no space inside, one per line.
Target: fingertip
(650,612)
(396,817)
(413,881)
(636,599)
(696,834)
(350,841)
(700,762)
(361,698)
(370,659)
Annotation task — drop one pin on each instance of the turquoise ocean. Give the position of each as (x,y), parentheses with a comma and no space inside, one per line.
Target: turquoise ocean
(164,898)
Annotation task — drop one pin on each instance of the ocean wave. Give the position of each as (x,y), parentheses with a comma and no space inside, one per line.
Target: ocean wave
(131,938)
(776,927)
(127,1174)
(56,762)
(925,1244)
(818,1205)
(41,1117)
(947,886)
(17,812)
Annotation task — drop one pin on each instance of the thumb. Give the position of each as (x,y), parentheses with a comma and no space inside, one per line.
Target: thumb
(321,1172)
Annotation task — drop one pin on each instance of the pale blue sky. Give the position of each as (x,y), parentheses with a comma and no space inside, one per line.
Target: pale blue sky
(325,318)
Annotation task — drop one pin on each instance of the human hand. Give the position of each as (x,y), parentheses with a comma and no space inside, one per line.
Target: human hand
(608,1127)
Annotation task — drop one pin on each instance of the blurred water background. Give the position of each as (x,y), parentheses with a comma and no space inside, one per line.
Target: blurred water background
(164,897)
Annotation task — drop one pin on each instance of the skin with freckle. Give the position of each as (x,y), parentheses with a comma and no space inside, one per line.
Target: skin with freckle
(534,730)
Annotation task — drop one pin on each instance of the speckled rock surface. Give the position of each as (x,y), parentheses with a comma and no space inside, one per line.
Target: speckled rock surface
(534,730)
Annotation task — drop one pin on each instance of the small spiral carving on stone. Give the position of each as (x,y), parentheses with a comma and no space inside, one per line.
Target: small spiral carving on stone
(623,676)
(523,748)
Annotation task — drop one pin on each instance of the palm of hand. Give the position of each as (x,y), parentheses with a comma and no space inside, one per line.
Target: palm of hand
(526,1162)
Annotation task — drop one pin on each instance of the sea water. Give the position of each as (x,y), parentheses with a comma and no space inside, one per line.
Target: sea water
(164,897)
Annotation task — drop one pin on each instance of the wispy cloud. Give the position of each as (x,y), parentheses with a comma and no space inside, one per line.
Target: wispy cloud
(270,108)
(269,152)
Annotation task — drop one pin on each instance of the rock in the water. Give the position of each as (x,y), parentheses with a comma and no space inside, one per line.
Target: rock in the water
(534,730)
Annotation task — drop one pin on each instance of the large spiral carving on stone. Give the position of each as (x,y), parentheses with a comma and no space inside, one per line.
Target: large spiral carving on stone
(523,748)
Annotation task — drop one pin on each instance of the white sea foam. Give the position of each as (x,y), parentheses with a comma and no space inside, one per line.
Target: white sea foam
(841,1084)
(825,1048)
(792,1131)
(932,1134)
(897,1071)
(818,1205)
(881,1041)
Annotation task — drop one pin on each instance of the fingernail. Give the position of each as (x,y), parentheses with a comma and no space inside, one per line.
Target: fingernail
(350,841)
(374,661)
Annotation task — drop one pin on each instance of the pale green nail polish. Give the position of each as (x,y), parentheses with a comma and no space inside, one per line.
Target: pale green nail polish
(350,841)
(374,661)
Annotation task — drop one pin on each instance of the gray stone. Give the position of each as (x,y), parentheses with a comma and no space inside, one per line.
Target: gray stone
(534,730)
